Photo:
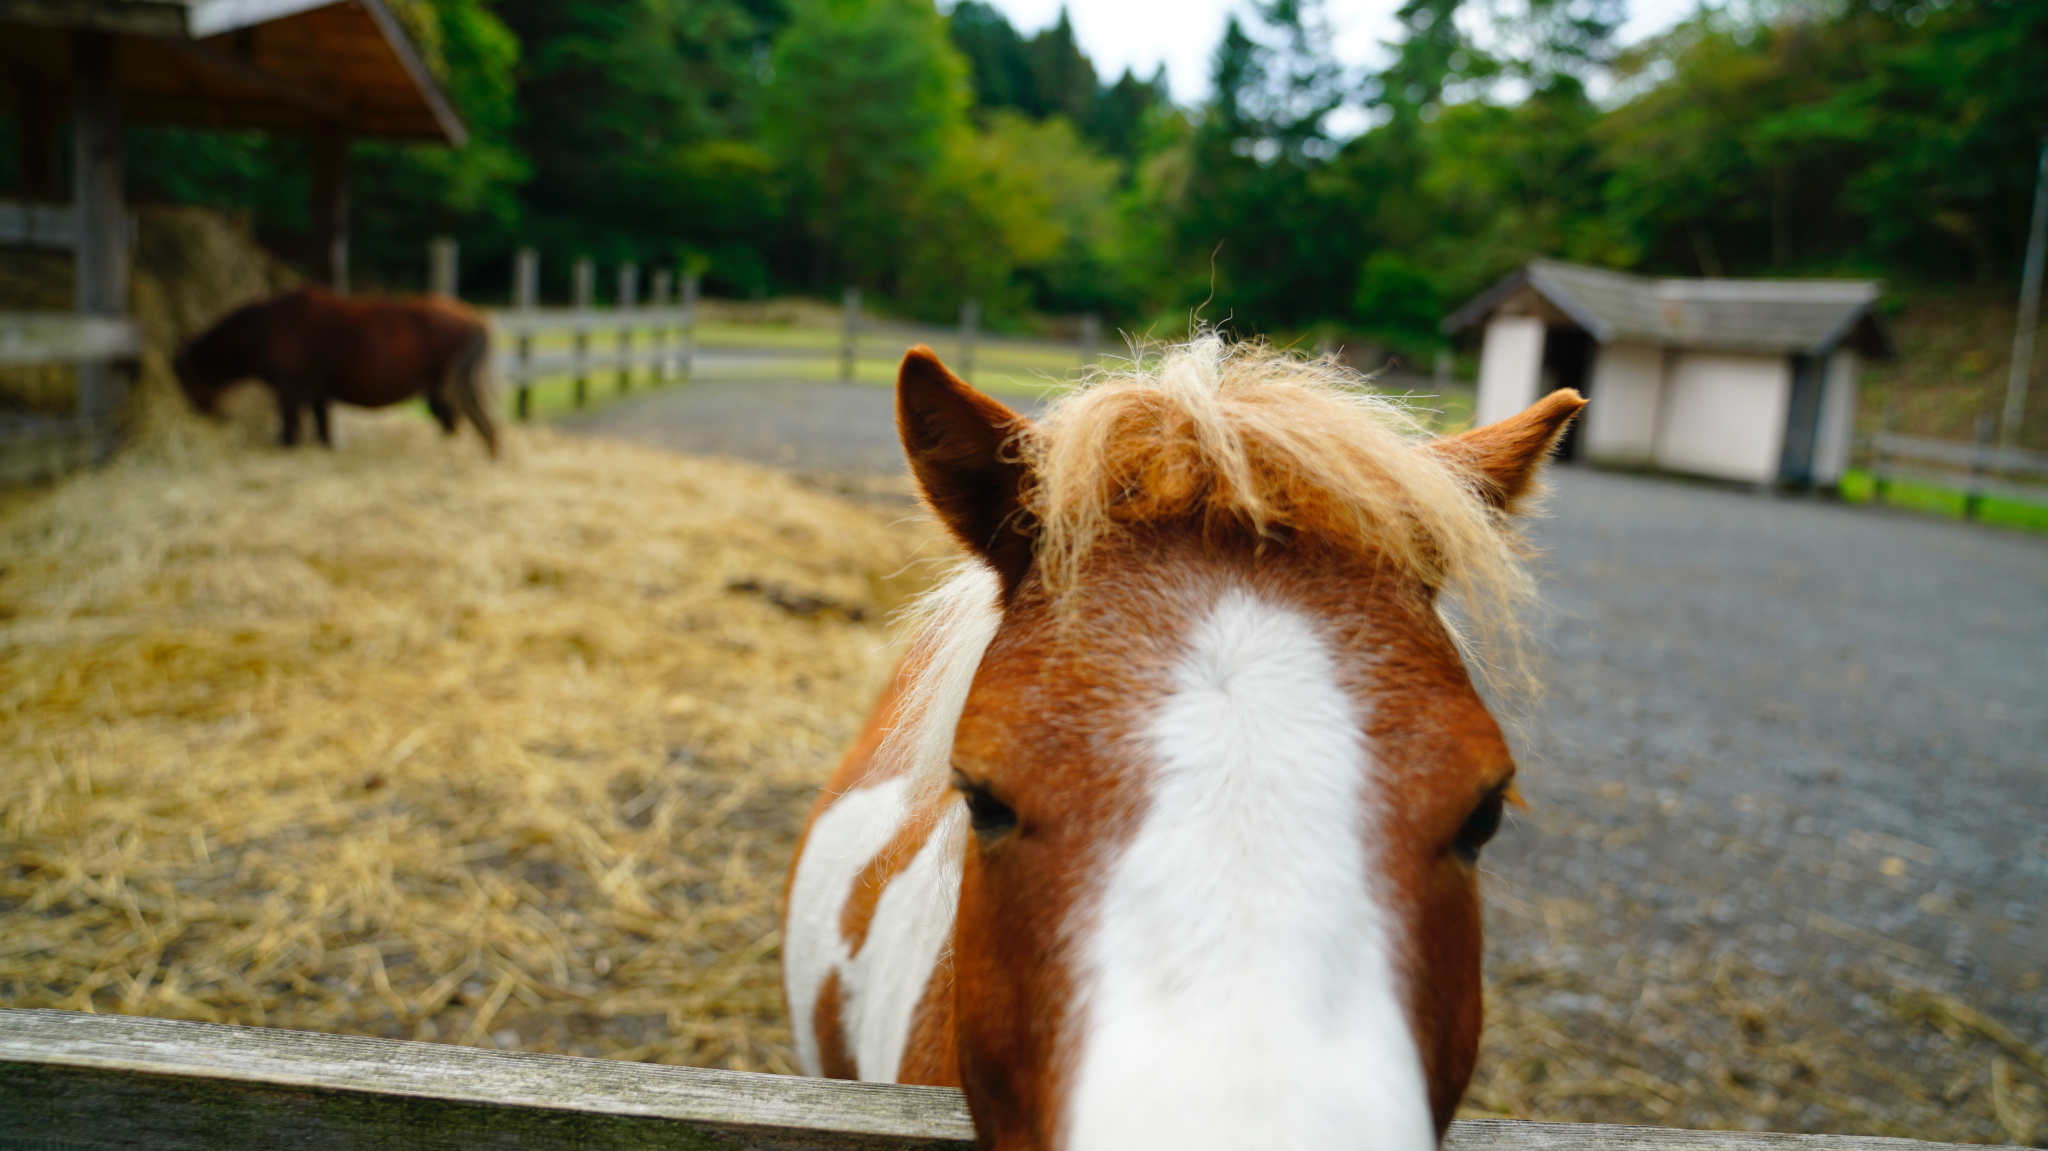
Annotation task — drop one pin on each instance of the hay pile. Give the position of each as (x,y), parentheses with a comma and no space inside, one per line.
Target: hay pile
(395,742)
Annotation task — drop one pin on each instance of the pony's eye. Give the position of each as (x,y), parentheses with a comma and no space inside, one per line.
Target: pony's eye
(991,817)
(1480,826)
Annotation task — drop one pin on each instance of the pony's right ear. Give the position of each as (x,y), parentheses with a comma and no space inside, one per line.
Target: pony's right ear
(1505,456)
(959,443)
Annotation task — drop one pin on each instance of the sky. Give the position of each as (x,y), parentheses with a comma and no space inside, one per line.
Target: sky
(1182,34)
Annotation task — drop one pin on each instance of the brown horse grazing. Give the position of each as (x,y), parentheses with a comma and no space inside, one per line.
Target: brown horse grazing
(1167,834)
(313,348)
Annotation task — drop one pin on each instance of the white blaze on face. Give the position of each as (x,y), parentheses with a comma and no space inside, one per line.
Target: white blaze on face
(844,837)
(882,986)
(1237,981)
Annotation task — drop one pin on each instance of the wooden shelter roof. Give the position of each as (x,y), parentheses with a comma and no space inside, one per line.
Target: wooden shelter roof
(277,65)
(1771,316)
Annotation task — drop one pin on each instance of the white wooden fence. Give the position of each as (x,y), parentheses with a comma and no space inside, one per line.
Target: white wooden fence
(76,1082)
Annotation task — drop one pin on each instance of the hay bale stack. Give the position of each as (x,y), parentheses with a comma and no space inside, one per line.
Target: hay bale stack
(395,742)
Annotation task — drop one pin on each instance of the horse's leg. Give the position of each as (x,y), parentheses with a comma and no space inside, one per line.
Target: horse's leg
(444,412)
(468,381)
(320,428)
(288,414)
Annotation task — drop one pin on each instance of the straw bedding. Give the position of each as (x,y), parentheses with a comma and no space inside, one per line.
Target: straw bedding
(394,742)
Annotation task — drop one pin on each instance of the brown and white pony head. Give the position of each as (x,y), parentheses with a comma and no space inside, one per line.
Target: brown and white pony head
(1224,772)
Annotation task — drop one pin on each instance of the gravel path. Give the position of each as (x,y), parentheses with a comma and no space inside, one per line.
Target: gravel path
(1789,787)
(807,427)
(1795,753)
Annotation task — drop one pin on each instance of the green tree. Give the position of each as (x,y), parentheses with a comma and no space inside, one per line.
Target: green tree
(1880,136)
(865,98)
(401,193)
(1018,214)
(638,118)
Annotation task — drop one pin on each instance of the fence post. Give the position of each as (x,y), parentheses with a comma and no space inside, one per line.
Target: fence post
(1973,500)
(689,339)
(2030,309)
(585,282)
(1441,381)
(525,298)
(970,327)
(629,293)
(104,230)
(441,277)
(657,300)
(847,338)
(1091,334)
(1880,466)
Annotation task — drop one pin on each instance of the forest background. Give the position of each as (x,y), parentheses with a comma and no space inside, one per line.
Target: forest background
(927,157)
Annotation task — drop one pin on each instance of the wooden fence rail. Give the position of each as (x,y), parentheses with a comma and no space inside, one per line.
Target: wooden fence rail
(36,446)
(1978,468)
(76,1082)
(601,340)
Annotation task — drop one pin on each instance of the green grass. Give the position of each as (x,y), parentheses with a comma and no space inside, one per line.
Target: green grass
(1860,487)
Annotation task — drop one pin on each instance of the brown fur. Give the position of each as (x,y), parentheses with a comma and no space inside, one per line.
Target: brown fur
(314,349)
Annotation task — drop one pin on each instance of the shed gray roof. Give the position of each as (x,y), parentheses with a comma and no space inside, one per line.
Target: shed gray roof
(1809,316)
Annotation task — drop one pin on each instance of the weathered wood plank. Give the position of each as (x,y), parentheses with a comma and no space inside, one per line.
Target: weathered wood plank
(135,17)
(66,337)
(536,321)
(106,1081)
(1957,454)
(1513,1135)
(74,1082)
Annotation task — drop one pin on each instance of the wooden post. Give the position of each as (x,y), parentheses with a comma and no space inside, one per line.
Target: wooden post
(585,284)
(970,327)
(442,266)
(1091,335)
(1441,370)
(2029,313)
(689,335)
(1880,465)
(657,300)
(1980,464)
(629,293)
(102,253)
(848,338)
(40,158)
(526,297)
(330,207)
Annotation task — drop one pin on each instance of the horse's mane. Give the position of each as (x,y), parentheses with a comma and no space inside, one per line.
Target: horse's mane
(1235,438)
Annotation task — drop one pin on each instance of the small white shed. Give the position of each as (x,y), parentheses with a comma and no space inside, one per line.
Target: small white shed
(1748,380)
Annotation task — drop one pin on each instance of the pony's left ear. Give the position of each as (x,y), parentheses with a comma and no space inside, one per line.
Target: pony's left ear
(959,445)
(1505,455)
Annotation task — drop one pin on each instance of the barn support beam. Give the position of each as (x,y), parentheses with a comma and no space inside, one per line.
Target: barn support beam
(97,184)
(330,207)
(40,158)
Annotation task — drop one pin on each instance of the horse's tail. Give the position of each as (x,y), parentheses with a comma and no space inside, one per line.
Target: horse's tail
(471,386)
